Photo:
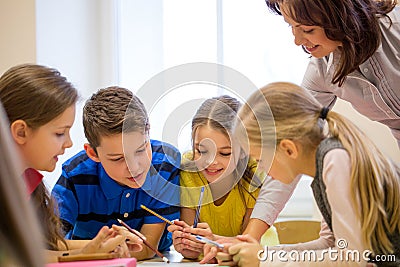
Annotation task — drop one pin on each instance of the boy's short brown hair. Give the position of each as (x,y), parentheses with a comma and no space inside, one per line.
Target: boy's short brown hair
(113,110)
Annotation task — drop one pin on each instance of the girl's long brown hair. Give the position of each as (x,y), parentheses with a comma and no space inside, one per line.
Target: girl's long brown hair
(37,95)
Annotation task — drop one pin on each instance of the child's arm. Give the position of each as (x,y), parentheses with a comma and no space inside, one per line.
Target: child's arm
(153,233)
(107,240)
(270,202)
(246,219)
(187,215)
(256,228)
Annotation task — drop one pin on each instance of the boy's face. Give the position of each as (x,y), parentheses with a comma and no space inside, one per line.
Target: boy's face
(125,157)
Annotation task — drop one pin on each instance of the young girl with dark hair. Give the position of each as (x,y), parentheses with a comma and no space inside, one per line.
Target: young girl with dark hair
(218,164)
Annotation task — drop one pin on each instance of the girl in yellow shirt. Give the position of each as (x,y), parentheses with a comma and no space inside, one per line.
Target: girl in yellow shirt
(227,174)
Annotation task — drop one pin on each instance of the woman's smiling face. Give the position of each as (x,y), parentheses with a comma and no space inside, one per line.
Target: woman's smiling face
(312,38)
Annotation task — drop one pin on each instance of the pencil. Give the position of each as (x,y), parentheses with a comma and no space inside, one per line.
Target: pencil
(156,214)
(165,259)
(208,241)
(197,216)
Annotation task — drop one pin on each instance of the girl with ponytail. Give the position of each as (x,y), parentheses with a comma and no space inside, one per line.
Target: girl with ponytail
(356,187)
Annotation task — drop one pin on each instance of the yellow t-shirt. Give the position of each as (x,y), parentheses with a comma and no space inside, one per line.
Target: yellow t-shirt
(226,219)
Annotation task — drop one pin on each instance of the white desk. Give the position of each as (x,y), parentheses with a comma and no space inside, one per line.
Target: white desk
(176,260)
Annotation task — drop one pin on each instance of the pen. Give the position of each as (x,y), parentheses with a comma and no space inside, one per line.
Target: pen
(165,259)
(157,215)
(197,216)
(208,241)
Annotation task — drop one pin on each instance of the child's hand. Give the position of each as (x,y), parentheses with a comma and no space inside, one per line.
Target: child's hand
(210,252)
(185,243)
(178,225)
(133,242)
(241,254)
(107,240)
(202,229)
(190,240)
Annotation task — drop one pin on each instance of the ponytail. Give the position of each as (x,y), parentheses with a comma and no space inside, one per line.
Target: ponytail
(375,181)
(282,110)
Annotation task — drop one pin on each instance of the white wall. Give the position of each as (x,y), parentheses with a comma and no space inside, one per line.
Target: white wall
(77,37)
(18,33)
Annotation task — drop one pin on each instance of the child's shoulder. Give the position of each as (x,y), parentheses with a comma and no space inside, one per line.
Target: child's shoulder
(80,163)
(162,151)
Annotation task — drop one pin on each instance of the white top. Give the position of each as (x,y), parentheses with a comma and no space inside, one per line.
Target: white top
(272,199)
(373,89)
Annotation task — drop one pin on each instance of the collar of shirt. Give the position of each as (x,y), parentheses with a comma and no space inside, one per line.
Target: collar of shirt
(330,62)
(109,186)
(32,179)
(112,189)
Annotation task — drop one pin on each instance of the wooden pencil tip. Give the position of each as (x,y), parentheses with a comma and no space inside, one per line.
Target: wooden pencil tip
(165,259)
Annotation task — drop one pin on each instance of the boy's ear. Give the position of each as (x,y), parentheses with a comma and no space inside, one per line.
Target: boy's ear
(289,148)
(91,152)
(19,131)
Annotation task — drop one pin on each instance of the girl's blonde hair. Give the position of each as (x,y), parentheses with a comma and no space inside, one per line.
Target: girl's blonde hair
(375,179)
(38,94)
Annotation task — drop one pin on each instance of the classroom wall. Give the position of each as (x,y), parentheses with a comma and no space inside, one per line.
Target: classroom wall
(78,38)
(379,133)
(18,33)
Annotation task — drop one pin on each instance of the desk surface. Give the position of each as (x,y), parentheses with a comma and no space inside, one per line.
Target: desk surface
(176,260)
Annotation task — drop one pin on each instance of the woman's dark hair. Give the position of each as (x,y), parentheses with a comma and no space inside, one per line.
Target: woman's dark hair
(354,23)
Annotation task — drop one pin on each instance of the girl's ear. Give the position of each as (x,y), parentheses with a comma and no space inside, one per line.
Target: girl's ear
(289,148)
(19,131)
(91,152)
(242,154)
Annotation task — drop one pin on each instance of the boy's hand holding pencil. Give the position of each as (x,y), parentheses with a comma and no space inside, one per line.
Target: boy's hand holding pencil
(107,240)
(138,234)
(134,242)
